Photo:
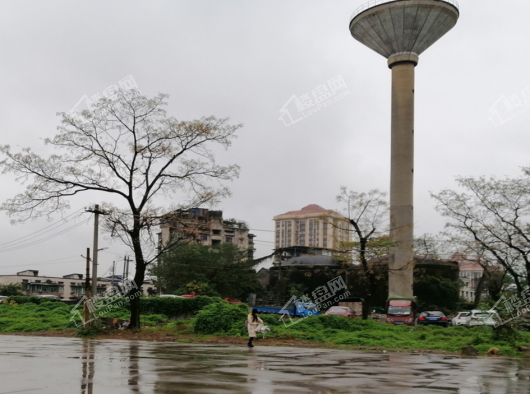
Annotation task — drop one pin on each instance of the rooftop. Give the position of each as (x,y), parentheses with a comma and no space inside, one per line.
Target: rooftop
(311,208)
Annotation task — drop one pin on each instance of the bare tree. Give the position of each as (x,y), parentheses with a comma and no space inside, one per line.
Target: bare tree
(429,246)
(492,218)
(368,215)
(129,150)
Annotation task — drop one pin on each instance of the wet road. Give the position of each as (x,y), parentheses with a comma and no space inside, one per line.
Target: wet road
(64,365)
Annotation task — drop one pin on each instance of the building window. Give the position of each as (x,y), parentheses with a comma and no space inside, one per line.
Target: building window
(77,289)
(216,232)
(228,239)
(204,237)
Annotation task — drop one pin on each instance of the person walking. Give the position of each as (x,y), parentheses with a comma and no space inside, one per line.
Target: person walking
(253,322)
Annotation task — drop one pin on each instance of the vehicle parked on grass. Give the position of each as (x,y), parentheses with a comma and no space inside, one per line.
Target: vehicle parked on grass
(295,309)
(2,298)
(340,311)
(52,297)
(482,318)
(355,304)
(232,300)
(170,296)
(433,317)
(401,311)
(460,319)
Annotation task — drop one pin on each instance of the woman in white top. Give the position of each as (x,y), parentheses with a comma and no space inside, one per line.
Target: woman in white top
(253,322)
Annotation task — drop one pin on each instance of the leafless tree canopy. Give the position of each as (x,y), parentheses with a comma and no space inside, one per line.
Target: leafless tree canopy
(491,217)
(368,215)
(130,149)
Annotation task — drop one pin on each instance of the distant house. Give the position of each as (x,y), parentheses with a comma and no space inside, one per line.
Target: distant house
(470,273)
(71,286)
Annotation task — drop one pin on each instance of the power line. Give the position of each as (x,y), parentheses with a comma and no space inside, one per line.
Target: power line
(32,264)
(10,249)
(32,235)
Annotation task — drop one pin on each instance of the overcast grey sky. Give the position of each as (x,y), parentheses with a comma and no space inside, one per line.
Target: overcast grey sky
(245,60)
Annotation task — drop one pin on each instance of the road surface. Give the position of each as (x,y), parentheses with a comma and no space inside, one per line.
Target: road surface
(65,365)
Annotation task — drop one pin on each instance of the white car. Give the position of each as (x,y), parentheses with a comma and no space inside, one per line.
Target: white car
(460,319)
(52,297)
(170,296)
(482,318)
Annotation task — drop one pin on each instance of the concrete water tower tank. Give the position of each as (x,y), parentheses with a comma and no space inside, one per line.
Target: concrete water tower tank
(401,30)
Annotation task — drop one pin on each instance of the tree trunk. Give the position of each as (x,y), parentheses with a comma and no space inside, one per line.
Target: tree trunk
(139,277)
(478,290)
(367,307)
(369,297)
(135,300)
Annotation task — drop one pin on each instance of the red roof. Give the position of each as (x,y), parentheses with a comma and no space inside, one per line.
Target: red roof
(312,208)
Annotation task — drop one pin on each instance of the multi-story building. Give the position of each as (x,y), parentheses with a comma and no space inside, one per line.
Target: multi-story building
(206,227)
(313,227)
(67,287)
(471,272)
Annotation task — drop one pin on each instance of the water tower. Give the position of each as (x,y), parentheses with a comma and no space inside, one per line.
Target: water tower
(401,30)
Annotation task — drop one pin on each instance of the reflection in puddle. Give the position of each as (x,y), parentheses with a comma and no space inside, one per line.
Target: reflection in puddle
(62,365)
(87,367)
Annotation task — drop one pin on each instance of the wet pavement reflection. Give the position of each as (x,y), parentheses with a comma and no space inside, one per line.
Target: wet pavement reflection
(65,365)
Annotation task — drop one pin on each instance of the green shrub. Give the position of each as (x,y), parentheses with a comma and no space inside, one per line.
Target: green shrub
(221,318)
(271,320)
(32,300)
(173,307)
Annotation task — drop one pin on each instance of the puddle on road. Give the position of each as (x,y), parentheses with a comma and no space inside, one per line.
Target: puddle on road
(56,365)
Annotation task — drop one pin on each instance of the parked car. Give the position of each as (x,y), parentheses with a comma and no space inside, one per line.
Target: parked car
(340,311)
(53,297)
(2,298)
(460,319)
(170,296)
(433,317)
(481,318)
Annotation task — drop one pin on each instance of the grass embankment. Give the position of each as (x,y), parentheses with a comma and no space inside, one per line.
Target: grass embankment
(47,315)
(224,323)
(227,320)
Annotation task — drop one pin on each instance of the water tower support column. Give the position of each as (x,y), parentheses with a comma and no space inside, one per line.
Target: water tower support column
(401,263)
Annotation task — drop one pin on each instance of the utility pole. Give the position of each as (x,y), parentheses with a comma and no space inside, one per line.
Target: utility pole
(127,268)
(124,263)
(96,213)
(86,312)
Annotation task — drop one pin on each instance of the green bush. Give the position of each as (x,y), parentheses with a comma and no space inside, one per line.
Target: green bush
(32,317)
(173,307)
(32,300)
(271,320)
(221,318)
